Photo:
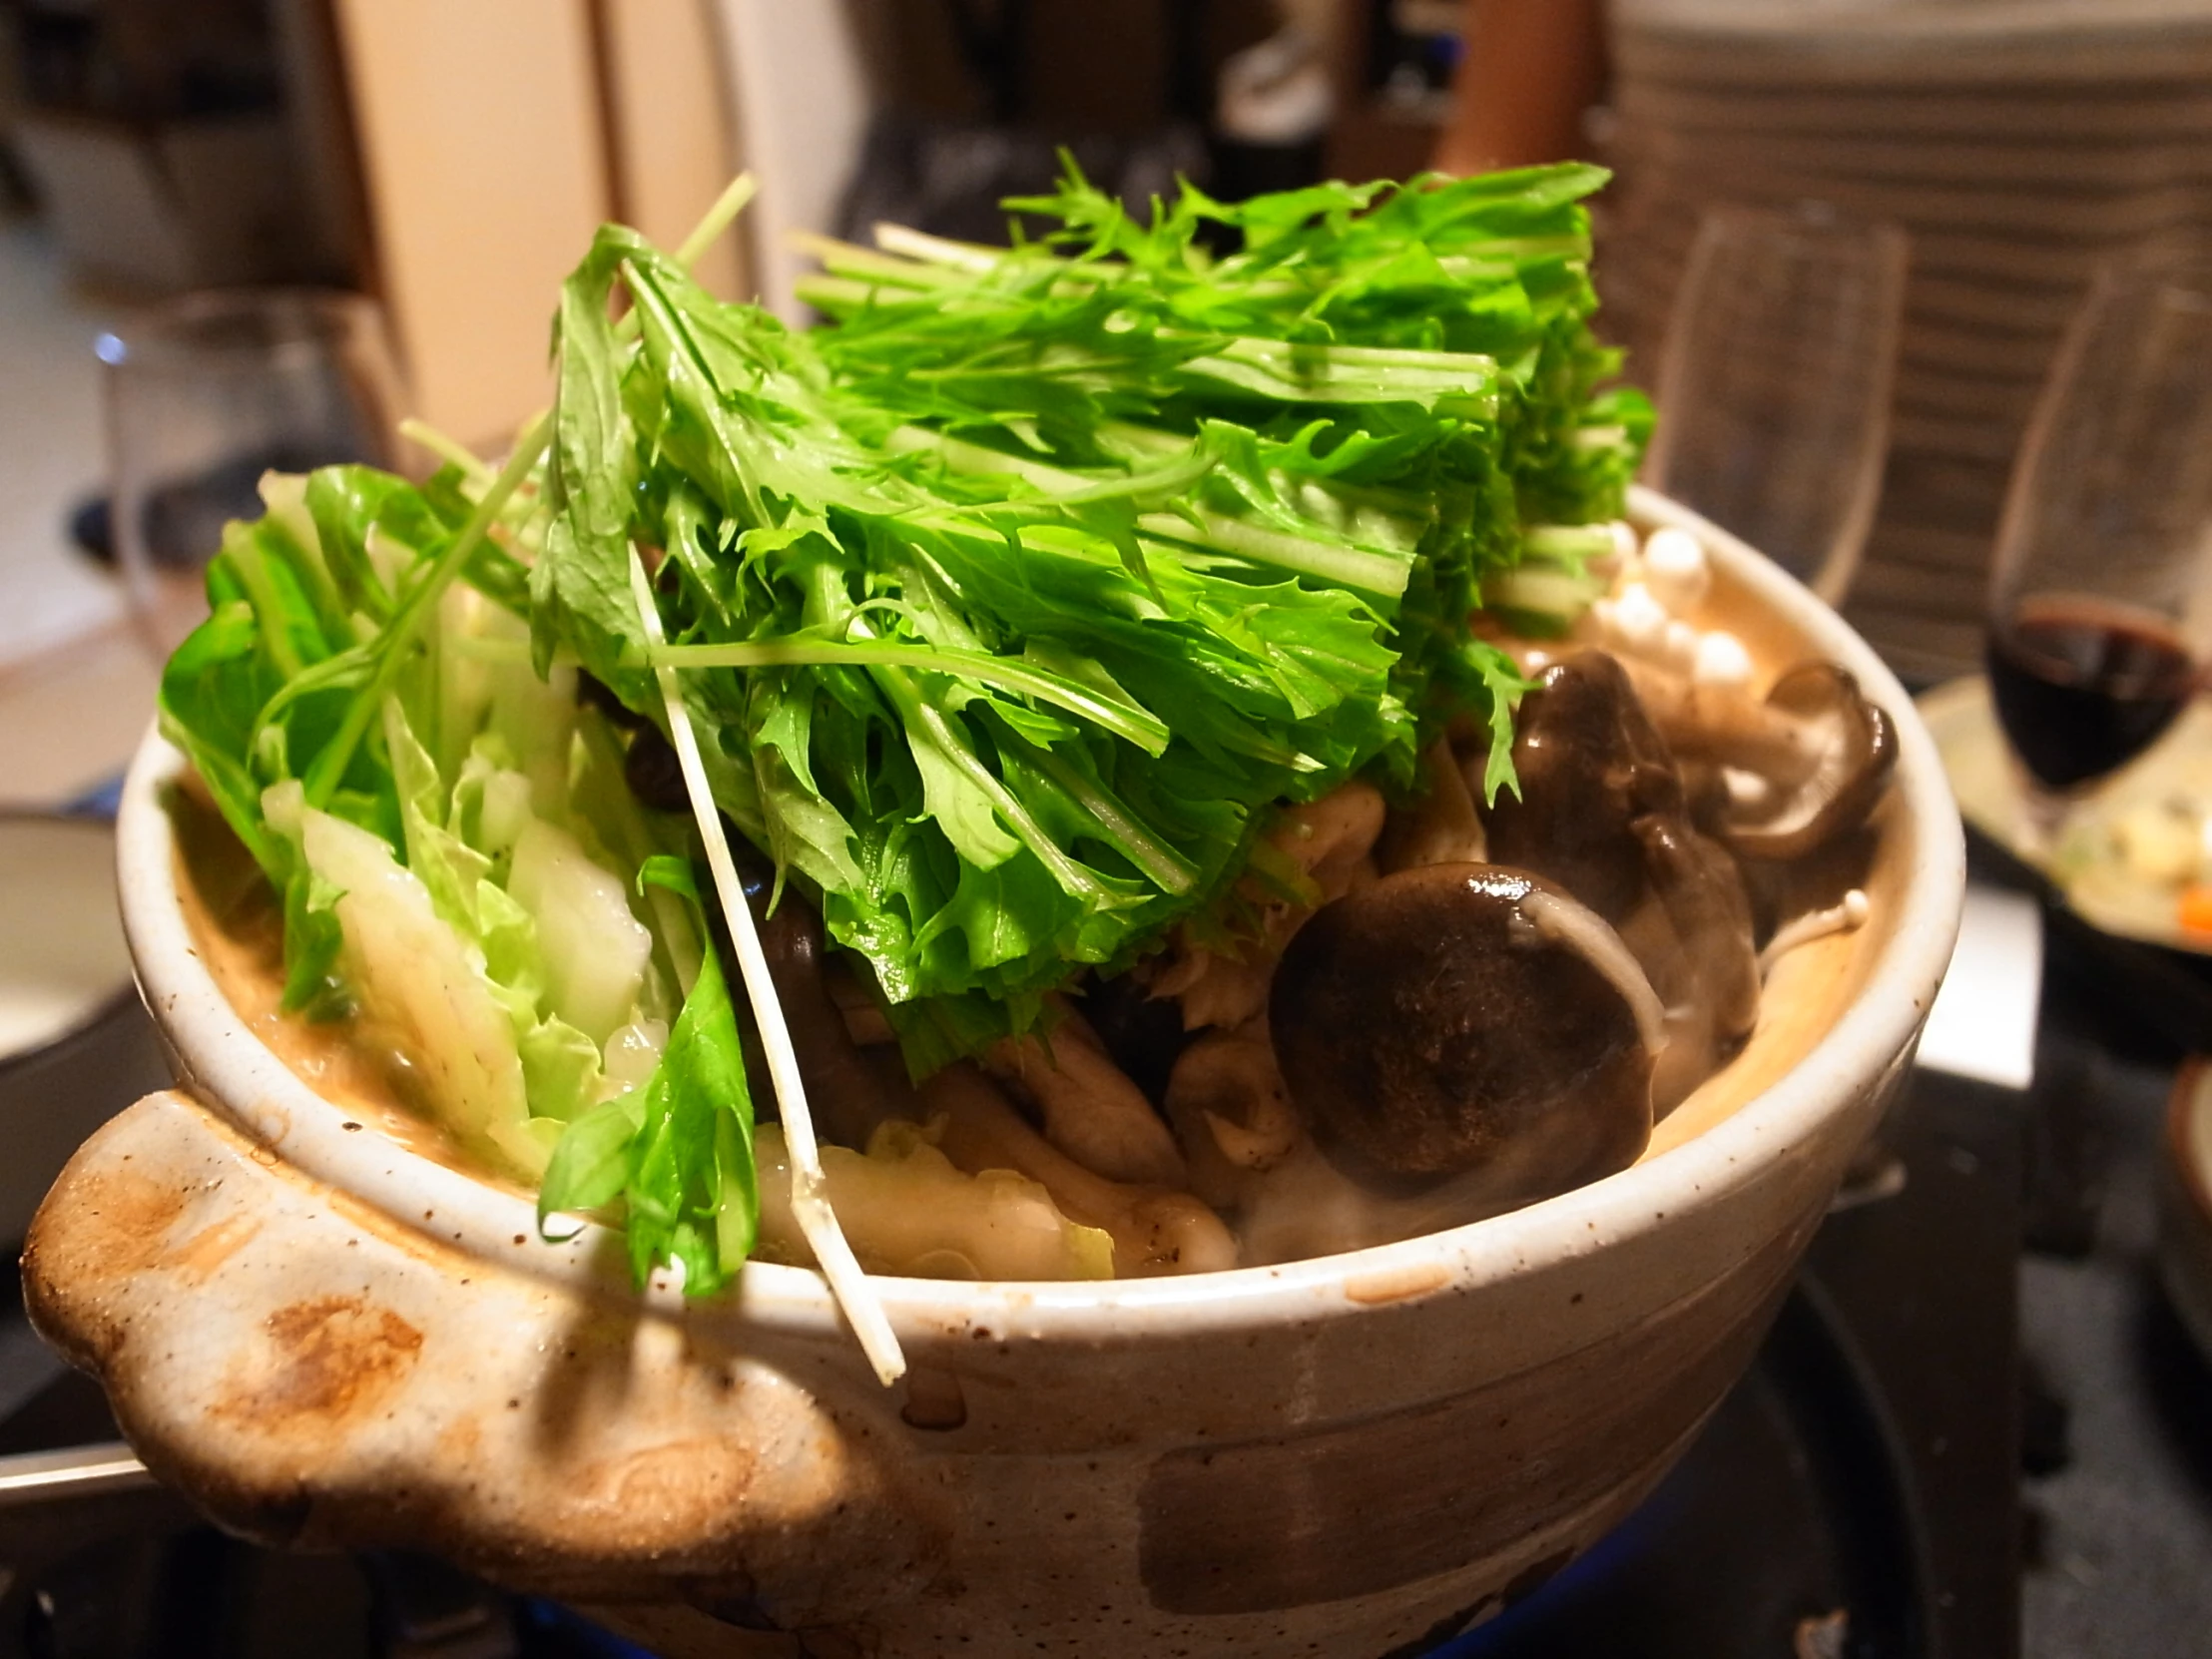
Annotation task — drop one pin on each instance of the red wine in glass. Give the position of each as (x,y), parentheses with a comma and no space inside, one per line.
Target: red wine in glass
(2084,686)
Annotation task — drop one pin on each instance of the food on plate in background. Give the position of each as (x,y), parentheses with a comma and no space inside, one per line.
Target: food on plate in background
(2133,856)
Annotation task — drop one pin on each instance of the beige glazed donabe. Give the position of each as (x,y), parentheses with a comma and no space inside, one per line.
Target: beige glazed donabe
(327,1338)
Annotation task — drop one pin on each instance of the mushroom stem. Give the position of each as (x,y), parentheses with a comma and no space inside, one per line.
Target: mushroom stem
(1801,767)
(1580,928)
(1848,915)
(1722,722)
(1091,1111)
(1443,827)
(1155,1230)
(1330,838)
(1330,841)
(1228,1103)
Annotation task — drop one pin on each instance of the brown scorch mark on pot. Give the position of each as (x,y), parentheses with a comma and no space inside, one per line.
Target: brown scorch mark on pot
(1524,1584)
(121,1222)
(1282,1522)
(1372,1290)
(332,1357)
(677,1486)
(460,1444)
(935,1399)
(197,1259)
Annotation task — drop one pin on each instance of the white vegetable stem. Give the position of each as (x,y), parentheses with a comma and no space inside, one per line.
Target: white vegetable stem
(809,1189)
(718,218)
(447,449)
(1845,917)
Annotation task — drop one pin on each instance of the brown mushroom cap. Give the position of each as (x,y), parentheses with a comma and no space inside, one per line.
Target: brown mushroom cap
(1851,748)
(852,1090)
(1591,764)
(1460,1016)
(1702,896)
(1607,814)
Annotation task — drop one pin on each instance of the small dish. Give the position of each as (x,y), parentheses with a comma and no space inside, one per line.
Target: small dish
(2185,1202)
(2090,869)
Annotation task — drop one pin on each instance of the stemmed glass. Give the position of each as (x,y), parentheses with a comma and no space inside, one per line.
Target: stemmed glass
(2101,597)
(1774,412)
(1773,383)
(208,393)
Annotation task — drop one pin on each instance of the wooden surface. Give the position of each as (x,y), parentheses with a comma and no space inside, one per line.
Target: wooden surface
(671,142)
(485,163)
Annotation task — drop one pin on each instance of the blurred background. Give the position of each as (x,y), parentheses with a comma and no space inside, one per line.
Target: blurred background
(450,161)
(1844,245)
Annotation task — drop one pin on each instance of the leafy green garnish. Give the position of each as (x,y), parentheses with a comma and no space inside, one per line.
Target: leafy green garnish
(677,1152)
(1008,607)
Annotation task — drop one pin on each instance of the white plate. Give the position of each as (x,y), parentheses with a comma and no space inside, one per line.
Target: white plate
(2185,1202)
(65,958)
(2085,866)
(75,1045)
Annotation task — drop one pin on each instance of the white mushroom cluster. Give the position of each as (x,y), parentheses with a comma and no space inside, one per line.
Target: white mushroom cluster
(1657,587)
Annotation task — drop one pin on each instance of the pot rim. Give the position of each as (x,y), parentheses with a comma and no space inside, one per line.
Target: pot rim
(245,1080)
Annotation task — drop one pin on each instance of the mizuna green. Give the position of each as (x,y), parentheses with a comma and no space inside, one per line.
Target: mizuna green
(1008,607)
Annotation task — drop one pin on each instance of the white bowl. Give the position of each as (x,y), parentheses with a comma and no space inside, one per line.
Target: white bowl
(328,1338)
(2185,1202)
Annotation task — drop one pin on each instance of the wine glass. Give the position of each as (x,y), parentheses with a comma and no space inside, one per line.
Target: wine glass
(1773,383)
(205,393)
(2101,596)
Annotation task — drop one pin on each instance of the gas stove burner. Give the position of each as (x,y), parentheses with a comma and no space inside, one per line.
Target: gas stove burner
(1787,1530)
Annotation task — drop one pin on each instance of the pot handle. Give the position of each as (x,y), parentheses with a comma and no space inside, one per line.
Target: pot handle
(309,1371)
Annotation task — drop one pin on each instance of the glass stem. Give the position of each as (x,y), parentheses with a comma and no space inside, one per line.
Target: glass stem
(2042,816)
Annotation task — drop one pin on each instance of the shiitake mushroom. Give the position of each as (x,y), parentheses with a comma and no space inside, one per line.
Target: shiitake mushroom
(1605,811)
(1781,777)
(1454,1017)
(1591,764)
(654,773)
(1851,748)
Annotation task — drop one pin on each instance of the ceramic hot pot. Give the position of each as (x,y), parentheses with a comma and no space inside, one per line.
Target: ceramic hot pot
(328,1338)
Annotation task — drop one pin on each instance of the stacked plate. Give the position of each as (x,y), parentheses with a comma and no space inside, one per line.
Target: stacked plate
(2018,143)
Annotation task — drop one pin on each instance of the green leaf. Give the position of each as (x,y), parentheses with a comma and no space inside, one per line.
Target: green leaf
(313,938)
(347,503)
(580,585)
(560,1071)
(593,1162)
(678,1152)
